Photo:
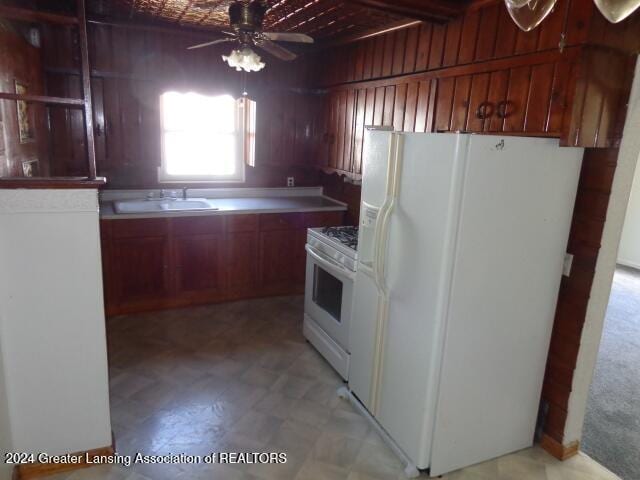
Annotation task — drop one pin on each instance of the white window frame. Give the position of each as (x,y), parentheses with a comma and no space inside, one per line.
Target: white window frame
(240,160)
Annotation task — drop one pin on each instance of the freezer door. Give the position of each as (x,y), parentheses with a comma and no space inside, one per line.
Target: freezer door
(362,338)
(418,263)
(375,169)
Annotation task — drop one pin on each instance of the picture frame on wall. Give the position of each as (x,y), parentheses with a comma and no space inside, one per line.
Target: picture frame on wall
(25,123)
(31,168)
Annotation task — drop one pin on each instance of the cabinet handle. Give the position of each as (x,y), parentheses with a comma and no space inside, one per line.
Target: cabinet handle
(503,106)
(485,110)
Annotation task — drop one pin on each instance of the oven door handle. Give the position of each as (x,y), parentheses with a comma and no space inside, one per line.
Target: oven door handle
(329,264)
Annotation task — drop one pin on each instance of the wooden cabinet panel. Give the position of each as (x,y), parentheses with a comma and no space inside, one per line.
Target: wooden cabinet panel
(242,262)
(411,107)
(422,108)
(460,107)
(276,260)
(539,98)
(323,219)
(444,101)
(204,225)
(514,110)
(143,227)
(498,82)
(359,124)
(280,221)
(559,94)
(164,263)
(480,110)
(399,107)
(140,268)
(242,223)
(199,264)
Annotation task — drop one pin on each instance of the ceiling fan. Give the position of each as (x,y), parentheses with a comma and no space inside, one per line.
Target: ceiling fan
(246,21)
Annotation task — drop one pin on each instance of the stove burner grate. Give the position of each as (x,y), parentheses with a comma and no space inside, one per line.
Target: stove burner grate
(348,236)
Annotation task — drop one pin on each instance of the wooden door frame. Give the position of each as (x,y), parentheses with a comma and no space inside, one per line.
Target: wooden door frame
(605,268)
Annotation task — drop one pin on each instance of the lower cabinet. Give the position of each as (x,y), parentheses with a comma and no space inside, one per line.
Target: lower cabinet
(200,264)
(170,262)
(136,261)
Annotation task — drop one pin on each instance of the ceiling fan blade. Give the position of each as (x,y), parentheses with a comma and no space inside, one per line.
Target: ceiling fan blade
(275,49)
(213,42)
(288,37)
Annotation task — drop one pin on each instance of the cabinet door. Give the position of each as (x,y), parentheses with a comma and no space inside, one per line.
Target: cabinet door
(460,107)
(242,263)
(277,260)
(199,264)
(241,252)
(141,267)
(514,110)
(480,110)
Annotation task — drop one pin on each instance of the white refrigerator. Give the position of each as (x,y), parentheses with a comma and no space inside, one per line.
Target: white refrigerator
(461,249)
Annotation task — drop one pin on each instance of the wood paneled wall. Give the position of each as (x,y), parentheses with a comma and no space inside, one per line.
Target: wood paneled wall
(22,62)
(596,178)
(131,67)
(438,77)
(479,73)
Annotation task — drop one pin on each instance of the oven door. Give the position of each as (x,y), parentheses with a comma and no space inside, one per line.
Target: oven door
(328,295)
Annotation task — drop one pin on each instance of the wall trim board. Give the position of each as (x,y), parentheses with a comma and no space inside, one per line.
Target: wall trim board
(37,470)
(570,54)
(557,449)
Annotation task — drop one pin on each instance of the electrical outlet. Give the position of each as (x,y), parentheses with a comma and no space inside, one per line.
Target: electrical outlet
(566,266)
(291,182)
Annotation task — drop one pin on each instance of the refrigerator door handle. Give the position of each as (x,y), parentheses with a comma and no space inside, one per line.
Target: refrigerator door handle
(379,260)
(382,225)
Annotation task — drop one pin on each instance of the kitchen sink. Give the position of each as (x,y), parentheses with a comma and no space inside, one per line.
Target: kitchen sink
(162,205)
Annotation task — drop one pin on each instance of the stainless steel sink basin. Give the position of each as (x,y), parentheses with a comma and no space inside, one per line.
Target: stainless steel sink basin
(162,205)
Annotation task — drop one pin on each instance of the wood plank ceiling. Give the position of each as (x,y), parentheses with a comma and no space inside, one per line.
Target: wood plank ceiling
(325,20)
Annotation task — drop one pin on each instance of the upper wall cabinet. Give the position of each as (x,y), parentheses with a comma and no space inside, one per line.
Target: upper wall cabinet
(480,73)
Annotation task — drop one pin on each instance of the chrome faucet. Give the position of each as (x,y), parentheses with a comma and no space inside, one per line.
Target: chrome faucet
(168,194)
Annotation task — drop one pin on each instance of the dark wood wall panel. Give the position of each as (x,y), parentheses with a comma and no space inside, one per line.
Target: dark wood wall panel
(594,188)
(131,67)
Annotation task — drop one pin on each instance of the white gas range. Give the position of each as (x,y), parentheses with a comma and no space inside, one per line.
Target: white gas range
(331,265)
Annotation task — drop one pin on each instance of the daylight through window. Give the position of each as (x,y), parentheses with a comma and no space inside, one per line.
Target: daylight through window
(205,138)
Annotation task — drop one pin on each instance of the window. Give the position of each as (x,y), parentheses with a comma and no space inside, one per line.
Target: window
(205,138)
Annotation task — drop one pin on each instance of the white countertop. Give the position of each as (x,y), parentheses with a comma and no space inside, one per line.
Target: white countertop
(235,201)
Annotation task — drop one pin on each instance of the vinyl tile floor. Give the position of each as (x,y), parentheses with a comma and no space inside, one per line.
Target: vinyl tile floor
(239,377)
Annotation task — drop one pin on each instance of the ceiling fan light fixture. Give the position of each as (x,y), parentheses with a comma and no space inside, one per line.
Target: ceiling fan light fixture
(244,59)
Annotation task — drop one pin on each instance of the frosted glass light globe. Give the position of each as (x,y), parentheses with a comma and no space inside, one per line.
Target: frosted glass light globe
(244,59)
(531,14)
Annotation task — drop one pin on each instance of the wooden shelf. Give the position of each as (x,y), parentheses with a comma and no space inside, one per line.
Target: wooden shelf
(52,182)
(61,101)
